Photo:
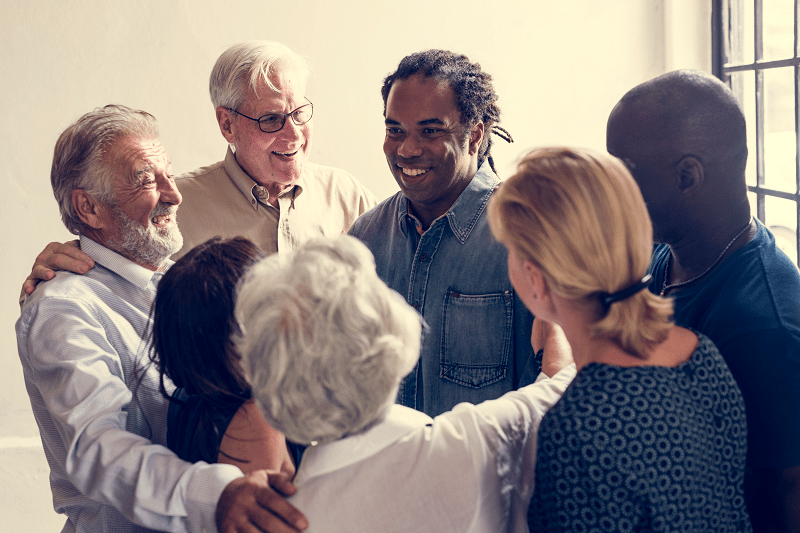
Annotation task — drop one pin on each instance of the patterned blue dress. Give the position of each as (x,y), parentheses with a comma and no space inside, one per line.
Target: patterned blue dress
(644,448)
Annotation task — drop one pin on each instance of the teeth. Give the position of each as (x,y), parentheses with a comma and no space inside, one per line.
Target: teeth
(413,171)
(159,219)
(285,153)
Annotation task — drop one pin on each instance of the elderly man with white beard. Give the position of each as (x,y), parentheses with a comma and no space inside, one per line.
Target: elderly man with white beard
(82,344)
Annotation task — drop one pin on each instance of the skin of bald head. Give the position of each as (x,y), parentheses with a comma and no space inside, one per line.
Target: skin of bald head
(683,137)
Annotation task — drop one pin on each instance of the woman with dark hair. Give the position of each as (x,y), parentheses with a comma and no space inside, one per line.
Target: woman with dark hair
(211,416)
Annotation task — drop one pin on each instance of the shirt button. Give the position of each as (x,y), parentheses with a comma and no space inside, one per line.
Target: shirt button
(261,193)
(423,257)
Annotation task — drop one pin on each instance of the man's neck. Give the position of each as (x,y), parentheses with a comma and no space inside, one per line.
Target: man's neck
(100,239)
(275,189)
(427,213)
(703,249)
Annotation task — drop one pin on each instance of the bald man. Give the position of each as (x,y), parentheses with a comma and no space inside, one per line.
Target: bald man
(682,135)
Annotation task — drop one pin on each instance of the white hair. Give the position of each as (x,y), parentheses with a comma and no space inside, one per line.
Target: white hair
(243,65)
(324,342)
(83,156)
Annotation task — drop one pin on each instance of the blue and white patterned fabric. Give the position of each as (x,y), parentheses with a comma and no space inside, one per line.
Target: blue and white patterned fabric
(645,448)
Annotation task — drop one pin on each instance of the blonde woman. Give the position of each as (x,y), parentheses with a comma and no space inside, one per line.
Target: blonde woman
(651,434)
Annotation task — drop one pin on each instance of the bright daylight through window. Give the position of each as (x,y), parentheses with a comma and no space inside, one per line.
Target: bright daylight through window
(756,43)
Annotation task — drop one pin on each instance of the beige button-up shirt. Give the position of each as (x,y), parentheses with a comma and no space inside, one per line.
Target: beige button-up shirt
(222,200)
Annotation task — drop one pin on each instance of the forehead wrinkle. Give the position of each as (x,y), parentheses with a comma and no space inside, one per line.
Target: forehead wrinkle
(148,169)
(285,89)
(136,161)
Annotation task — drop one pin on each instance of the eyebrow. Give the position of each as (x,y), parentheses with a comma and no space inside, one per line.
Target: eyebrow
(425,122)
(142,171)
(149,169)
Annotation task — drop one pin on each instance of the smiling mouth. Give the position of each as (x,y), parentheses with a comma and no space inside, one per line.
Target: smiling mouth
(161,220)
(413,171)
(286,154)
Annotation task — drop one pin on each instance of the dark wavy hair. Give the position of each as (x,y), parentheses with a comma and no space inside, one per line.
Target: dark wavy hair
(193,323)
(477,100)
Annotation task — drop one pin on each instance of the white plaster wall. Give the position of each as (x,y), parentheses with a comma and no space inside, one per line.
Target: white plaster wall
(559,67)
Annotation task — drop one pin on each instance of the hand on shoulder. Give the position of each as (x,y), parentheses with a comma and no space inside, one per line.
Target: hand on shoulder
(56,256)
(259,499)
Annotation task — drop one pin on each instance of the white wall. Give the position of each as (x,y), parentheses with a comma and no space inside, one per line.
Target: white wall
(559,67)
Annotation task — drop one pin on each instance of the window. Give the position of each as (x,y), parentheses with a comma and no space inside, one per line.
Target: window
(756,54)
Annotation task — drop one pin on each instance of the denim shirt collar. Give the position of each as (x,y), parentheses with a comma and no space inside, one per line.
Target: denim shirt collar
(465,212)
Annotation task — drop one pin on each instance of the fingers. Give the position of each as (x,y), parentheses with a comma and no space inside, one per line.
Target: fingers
(257,521)
(538,334)
(66,256)
(274,503)
(34,278)
(276,515)
(57,256)
(557,351)
(248,505)
(543,333)
(281,482)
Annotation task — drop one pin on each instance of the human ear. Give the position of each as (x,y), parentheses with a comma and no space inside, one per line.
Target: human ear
(536,280)
(547,307)
(87,208)
(475,138)
(690,174)
(225,120)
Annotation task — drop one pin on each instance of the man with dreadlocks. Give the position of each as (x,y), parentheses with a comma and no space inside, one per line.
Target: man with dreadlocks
(432,242)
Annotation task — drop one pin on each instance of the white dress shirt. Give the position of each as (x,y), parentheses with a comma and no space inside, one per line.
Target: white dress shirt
(470,469)
(101,416)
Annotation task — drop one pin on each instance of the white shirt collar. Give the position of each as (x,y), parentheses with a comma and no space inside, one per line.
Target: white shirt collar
(125,268)
(325,458)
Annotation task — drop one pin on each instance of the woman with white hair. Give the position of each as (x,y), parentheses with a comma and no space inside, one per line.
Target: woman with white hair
(325,344)
(651,435)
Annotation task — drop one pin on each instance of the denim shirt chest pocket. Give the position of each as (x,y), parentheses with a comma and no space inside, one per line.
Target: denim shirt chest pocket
(476,337)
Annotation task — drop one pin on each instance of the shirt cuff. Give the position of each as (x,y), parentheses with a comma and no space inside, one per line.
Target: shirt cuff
(568,372)
(203,492)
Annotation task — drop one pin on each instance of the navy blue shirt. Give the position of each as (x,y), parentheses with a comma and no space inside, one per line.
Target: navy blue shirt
(456,275)
(750,307)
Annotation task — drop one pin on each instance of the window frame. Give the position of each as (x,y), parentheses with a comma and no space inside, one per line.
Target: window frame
(722,17)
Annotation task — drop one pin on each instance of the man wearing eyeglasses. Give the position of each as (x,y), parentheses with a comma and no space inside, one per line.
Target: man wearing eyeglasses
(265,189)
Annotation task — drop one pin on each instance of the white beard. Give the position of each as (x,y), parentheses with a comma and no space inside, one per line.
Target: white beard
(149,245)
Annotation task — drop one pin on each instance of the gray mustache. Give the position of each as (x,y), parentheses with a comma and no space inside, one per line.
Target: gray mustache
(163,208)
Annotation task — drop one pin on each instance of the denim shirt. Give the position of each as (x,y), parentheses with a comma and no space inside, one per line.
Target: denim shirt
(456,275)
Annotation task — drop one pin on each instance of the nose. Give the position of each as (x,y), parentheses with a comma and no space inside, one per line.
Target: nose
(409,147)
(169,191)
(291,130)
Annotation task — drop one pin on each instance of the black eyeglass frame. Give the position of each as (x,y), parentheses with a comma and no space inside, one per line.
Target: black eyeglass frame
(282,115)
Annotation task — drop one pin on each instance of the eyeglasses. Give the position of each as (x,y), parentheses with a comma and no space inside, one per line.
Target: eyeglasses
(272,122)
